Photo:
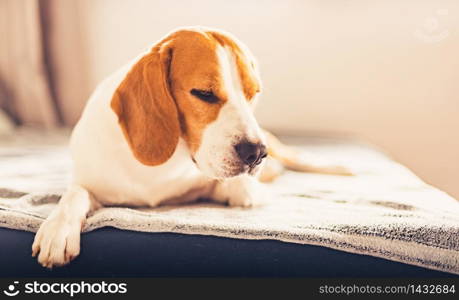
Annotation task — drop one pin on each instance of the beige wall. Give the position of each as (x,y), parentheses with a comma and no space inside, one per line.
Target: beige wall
(387,71)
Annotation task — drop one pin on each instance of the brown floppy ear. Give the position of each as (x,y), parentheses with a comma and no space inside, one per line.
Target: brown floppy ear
(146,110)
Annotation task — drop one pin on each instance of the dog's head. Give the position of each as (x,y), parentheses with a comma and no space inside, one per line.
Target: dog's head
(200,85)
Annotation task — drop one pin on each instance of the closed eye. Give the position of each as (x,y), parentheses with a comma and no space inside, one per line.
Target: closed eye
(207,96)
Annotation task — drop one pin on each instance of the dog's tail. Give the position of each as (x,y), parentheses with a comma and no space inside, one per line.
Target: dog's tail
(283,156)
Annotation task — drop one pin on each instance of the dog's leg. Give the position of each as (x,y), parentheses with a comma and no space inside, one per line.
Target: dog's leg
(58,239)
(242,190)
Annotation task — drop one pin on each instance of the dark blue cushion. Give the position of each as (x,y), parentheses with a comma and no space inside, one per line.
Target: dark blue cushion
(110,252)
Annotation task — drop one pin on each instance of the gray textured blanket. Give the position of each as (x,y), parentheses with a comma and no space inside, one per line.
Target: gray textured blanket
(384,211)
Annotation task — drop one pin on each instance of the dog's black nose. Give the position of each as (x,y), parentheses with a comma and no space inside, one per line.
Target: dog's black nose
(251,154)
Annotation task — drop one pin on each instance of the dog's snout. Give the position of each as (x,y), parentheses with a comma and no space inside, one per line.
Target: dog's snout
(250,153)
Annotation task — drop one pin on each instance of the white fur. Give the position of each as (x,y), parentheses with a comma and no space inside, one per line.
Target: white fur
(106,172)
(235,122)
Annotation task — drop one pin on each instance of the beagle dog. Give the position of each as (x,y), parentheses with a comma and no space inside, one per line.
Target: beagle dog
(174,125)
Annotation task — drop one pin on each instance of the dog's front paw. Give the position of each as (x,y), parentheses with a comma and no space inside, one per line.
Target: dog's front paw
(57,241)
(244,197)
(242,191)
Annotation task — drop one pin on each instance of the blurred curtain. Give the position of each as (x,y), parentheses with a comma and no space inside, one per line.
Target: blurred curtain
(25,92)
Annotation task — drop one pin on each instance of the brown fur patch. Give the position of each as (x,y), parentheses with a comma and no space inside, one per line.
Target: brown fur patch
(245,65)
(146,111)
(196,66)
